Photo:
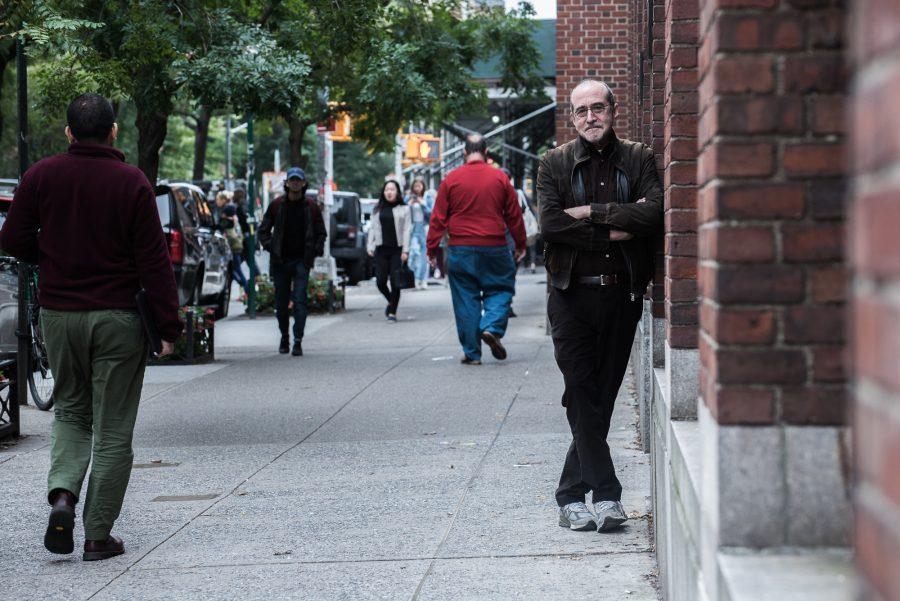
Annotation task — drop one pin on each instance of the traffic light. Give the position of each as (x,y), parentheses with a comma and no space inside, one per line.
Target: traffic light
(342,127)
(422,148)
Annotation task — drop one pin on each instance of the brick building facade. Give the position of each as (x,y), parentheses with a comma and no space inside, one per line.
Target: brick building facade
(770,338)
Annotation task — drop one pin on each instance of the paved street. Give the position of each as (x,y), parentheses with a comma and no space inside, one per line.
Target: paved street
(374,467)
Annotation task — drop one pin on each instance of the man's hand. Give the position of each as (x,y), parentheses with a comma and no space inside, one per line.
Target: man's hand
(432,260)
(619,236)
(371,253)
(520,254)
(167,348)
(404,257)
(583,212)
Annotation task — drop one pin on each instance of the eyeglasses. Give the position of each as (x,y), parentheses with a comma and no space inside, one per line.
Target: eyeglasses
(598,109)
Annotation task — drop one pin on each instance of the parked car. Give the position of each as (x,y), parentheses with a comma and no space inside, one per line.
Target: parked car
(367,205)
(347,239)
(200,254)
(7,190)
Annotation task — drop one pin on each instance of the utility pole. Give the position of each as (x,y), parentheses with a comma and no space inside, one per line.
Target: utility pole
(251,218)
(23,328)
(228,153)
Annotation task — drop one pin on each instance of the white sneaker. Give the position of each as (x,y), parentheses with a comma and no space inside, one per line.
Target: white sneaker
(610,515)
(577,516)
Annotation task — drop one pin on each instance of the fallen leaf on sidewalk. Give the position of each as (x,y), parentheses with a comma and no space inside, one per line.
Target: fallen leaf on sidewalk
(288,552)
(428,433)
(242,493)
(156,461)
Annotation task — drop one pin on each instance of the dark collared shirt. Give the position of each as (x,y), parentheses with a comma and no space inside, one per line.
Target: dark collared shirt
(599,175)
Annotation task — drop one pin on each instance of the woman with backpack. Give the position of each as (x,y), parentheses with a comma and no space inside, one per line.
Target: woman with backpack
(389,238)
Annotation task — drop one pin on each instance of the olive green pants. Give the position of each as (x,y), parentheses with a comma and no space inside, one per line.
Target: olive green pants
(98,360)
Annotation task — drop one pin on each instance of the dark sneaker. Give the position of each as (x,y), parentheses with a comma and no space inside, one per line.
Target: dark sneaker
(95,550)
(497,350)
(297,351)
(285,346)
(468,361)
(610,515)
(61,524)
(392,318)
(577,516)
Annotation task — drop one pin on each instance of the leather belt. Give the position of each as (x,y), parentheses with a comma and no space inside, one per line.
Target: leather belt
(600,280)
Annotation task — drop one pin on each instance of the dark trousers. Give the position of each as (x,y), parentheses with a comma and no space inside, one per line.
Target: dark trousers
(291,280)
(387,260)
(593,330)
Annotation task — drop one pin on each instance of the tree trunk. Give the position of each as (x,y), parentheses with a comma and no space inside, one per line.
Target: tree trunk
(152,126)
(295,139)
(6,56)
(201,138)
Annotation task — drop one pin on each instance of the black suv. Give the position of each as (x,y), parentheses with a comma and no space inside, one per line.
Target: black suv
(200,255)
(346,236)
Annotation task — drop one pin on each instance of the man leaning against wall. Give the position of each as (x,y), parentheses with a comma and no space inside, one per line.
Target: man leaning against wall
(601,206)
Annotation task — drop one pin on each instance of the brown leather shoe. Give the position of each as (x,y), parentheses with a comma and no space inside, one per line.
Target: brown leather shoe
(95,550)
(61,524)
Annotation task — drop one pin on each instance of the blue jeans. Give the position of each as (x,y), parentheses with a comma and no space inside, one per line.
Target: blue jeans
(418,262)
(237,273)
(482,284)
(291,279)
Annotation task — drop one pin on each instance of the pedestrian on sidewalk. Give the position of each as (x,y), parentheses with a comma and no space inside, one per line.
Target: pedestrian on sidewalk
(477,204)
(90,222)
(389,238)
(240,202)
(231,228)
(601,208)
(420,213)
(293,232)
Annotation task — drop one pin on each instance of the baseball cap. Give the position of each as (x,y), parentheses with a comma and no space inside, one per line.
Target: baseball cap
(296,172)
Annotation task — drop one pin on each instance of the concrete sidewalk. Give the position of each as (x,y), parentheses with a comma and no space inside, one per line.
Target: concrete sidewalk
(374,467)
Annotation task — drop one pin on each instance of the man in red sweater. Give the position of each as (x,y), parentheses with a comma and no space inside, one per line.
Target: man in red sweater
(477,205)
(90,222)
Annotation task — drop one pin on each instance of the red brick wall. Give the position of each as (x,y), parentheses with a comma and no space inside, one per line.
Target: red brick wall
(656,137)
(770,172)
(875,258)
(680,160)
(593,39)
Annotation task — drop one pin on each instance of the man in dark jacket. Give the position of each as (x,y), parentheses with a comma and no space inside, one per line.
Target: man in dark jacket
(90,222)
(293,232)
(601,207)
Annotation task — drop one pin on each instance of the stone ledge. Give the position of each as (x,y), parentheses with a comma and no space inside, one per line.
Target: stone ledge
(824,575)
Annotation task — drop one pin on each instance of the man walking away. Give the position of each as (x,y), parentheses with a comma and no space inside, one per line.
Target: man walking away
(293,232)
(601,207)
(477,204)
(90,222)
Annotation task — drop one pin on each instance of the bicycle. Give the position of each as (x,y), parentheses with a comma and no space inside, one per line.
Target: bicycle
(40,376)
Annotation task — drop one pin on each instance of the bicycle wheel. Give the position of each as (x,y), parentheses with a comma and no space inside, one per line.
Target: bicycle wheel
(40,377)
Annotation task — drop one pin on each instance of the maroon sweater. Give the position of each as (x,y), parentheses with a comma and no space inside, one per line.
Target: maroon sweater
(476,204)
(89,220)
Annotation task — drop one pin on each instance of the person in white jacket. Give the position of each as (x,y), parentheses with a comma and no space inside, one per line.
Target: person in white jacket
(388,242)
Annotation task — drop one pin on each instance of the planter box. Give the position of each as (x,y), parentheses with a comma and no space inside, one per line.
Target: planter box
(197,342)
